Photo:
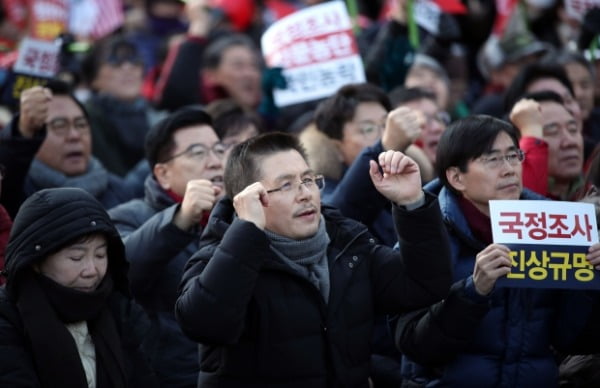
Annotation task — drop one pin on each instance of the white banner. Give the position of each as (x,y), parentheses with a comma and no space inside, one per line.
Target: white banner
(543,223)
(317,51)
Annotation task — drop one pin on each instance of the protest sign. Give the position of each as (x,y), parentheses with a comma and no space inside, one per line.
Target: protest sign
(577,8)
(317,51)
(37,61)
(549,241)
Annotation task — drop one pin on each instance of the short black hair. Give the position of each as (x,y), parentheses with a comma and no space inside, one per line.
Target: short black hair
(565,57)
(229,118)
(213,53)
(467,139)
(243,165)
(332,113)
(159,141)
(528,75)
(61,88)
(105,50)
(401,95)
(545,96)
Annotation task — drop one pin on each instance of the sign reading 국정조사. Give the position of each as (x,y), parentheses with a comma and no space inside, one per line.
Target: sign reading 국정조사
(317,51)
(549,241)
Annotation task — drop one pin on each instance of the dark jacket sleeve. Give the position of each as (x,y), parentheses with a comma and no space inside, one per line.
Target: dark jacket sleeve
(16,154)
(434,335)
(355,196)
(217,289)
(16,364)
(150,247)
(420,274)
(179,81)
(577,336)
(134,326)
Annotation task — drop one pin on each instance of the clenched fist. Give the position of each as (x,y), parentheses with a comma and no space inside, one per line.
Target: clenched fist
(33,110)
(200,197)
(402,127)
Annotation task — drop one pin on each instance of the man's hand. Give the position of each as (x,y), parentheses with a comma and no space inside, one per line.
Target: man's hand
(593,255)
(527,116)
(402,127)
(399,11)
(490,264)
(200,196)
(249,204)
(33,110)
(401,179)
(198,15)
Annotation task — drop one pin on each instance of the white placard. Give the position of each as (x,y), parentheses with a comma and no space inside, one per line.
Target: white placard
(577,8)
(317,51)
(543,222)
(427,15)
(37,57)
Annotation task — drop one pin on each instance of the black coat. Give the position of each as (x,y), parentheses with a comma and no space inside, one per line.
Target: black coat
(17,367)
(260,324)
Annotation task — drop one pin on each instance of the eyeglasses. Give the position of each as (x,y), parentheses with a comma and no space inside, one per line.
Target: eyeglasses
(117,60)
(61,126)
(199,152)
(310,183)
(495,161)
(370,131)
(441,117)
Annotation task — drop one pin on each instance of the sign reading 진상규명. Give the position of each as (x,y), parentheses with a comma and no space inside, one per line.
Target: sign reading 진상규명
(549,241)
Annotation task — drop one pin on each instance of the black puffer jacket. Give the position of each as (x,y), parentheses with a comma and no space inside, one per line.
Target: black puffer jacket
(260,324)
(49,220)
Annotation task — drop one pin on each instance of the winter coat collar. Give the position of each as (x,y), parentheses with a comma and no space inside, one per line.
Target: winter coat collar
(342,231)
(155,195)
(453,216)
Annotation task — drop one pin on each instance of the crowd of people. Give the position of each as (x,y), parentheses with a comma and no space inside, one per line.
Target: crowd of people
(164,223)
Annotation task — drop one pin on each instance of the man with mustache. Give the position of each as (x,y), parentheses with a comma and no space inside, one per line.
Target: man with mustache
(479,335)
(161,231)
(48,145)
(284,290)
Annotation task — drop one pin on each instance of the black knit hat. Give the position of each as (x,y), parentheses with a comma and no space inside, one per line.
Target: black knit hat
(49,220)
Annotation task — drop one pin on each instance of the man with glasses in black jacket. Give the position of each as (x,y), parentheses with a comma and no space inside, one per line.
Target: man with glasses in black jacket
(284,290)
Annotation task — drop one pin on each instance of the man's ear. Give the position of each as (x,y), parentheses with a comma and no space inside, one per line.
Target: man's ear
(454,177)
(162,175)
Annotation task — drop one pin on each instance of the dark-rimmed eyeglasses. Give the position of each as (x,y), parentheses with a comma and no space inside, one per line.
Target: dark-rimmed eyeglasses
(318,181)
(61,126)
(200,151)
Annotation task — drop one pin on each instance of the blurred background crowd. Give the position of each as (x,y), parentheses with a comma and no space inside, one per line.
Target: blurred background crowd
(115,81)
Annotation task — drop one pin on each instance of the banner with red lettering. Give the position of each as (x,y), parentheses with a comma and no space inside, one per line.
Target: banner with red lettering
(317,50)
(577,8)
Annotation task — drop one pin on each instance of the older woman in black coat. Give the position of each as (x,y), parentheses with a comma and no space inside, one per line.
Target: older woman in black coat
(65,318)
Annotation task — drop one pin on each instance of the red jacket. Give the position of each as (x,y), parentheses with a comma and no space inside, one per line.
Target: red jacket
(535,165)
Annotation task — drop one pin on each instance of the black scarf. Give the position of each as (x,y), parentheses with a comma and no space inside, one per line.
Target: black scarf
(45,306)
